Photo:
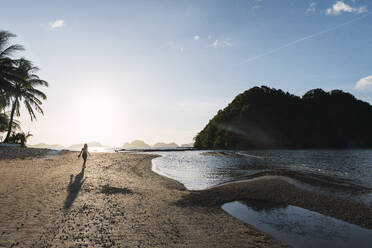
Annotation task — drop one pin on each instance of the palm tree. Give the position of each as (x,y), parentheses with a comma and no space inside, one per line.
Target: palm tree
(7,66)
(23,89)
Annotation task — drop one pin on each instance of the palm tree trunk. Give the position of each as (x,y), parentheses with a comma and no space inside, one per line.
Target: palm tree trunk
(10,123)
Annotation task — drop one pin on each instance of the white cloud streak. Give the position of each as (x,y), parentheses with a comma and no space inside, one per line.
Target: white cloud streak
(196,37)
(301,40)
(57,24)
(364,83)
(339,7)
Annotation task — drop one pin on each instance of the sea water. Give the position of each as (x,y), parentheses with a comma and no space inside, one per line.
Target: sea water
(300,227)
(199,170)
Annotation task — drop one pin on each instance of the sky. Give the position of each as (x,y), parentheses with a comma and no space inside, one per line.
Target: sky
(159,70)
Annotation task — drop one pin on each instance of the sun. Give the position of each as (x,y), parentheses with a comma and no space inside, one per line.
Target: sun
(96,116)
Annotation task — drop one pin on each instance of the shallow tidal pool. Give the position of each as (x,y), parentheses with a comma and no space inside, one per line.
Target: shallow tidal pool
(299,227)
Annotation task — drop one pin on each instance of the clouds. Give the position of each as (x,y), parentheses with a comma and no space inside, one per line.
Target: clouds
(217,43)
(339,7)
(257,4)
(57,24)
(221,43)
(364,83)
(198,41)
(311,8)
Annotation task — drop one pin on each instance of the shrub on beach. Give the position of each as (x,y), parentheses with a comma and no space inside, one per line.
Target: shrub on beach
(19,138)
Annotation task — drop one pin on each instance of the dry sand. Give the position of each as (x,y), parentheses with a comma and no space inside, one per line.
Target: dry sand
(117,201)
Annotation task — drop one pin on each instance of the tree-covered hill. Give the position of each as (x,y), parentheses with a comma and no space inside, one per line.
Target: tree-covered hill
(263,117)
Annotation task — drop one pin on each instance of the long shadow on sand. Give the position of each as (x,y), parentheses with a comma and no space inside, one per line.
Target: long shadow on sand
(74,188)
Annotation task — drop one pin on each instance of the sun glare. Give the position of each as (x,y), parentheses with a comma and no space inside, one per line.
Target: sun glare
(95,116)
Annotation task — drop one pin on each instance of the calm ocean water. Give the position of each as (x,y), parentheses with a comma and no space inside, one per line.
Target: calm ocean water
(300,227)
(199,170)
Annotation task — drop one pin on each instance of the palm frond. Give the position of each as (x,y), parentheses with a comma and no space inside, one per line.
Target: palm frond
(4,38)
(4,122)
(30,110)
(38,82)
(9,51)
(36,93)
(36,104)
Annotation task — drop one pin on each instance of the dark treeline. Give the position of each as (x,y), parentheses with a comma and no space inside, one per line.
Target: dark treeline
(263,117)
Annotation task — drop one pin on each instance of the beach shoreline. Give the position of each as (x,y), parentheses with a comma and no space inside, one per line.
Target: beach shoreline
(118,201)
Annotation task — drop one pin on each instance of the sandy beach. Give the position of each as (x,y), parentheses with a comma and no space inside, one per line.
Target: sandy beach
(50,200)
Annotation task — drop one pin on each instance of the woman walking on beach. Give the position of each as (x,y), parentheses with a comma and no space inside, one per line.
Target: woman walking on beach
(85,153)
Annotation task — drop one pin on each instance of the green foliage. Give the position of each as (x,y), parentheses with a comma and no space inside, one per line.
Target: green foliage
(263,117)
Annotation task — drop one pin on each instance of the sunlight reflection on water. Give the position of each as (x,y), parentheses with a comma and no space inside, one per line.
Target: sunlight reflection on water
(197,171)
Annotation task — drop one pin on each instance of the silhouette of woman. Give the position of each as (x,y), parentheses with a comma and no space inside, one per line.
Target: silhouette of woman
(85,153)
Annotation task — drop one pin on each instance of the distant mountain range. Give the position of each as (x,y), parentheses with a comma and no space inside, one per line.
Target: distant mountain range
(74,146)
(139,144)
(48,146)
(187,145)
(161,145)
(136,144)
(90,144)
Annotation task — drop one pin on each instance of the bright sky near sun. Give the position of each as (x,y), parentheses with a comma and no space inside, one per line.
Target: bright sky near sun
(159,70)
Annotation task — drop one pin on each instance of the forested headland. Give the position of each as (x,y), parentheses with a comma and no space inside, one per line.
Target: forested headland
(264,117)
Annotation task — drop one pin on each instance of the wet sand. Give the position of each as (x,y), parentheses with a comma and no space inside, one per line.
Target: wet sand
(277,190)
(117,201)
